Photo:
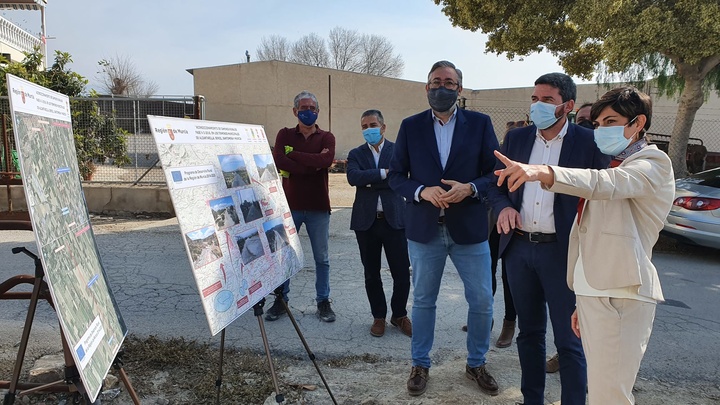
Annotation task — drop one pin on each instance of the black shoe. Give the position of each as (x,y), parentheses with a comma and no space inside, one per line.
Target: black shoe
(276,311)
(324,312)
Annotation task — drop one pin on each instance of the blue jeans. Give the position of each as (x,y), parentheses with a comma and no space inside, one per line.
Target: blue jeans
(318,229)
(473,266)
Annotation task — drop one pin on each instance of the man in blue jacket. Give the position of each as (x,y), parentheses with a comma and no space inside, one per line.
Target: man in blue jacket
(534,226)
(378,221)
(442,165)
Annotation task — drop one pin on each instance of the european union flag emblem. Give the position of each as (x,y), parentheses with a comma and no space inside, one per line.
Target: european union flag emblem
(177,176)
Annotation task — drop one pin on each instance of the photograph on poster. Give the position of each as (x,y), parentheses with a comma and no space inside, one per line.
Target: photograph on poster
(250,245)
(224,212)
(234,171)
(249,205)
(204,246)
(266,167)
(275,233)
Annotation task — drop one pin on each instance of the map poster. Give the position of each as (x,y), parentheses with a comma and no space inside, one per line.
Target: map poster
(86,308)
(233,214)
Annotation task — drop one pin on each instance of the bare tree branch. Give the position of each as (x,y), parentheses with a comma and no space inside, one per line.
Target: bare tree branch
(273,47)
(310,50)
(377,56)
(119,76)
(344,45)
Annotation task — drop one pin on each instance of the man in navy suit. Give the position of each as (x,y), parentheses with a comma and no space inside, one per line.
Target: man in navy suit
(534,226)
(378,221)
(442,165)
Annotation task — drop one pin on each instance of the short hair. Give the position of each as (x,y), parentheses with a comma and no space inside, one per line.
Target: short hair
(442,64)
(374,113)
(303,95)
(627,101)
(585,105)
(560,81)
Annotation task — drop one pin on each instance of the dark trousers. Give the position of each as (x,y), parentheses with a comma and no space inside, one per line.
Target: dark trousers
(494,243)
(371,242)
(537,275)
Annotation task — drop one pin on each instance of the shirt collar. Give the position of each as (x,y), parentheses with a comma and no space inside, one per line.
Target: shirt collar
(560,135)
(382,144)
(439,121)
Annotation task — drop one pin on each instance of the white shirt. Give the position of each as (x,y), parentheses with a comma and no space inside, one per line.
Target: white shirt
(536,211)
(376,155)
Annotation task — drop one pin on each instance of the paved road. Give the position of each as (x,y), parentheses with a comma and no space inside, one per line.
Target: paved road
(151,276)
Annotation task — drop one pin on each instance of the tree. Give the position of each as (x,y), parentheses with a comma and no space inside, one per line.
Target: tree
(97,136)
(345,50)
(273,47)
(677,42)
(119,76)
(376,55)
(310,50)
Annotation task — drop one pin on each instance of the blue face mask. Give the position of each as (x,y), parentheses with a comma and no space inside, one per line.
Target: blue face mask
(611,140)
(543,114)
(307,117)
(372,135)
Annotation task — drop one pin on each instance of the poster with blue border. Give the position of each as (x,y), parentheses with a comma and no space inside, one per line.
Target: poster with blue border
(234,217)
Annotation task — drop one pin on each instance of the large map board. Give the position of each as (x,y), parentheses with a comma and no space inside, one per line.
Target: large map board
(233,214)
(89,316)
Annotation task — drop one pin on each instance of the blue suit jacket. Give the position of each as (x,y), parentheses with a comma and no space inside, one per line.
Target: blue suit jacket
(363,174)
(578,151)
(416,162)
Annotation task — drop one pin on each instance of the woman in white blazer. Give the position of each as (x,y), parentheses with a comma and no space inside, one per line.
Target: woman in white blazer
(620,216)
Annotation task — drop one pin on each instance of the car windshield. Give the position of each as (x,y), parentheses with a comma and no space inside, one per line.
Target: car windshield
(710,178)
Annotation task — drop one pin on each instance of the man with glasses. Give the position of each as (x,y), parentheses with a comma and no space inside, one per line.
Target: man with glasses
(534,226)
(304,153)
(442,164)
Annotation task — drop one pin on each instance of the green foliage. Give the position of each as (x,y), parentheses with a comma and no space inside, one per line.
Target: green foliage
(97,135)
(634,38)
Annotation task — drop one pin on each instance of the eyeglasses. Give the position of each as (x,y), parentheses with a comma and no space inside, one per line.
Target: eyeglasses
(448,84)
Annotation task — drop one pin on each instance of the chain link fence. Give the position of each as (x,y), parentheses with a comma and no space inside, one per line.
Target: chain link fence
(704,142)
(131,116)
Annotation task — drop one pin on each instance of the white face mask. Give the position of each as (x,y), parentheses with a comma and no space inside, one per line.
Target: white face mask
(611,140)
(543,114)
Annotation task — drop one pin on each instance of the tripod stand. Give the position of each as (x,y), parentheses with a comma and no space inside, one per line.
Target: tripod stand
(258,312)
(72,382)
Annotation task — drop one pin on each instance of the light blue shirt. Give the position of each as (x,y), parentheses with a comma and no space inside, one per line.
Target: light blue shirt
(443,137)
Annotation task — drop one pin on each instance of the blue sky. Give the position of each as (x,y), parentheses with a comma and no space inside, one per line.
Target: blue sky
(164,38)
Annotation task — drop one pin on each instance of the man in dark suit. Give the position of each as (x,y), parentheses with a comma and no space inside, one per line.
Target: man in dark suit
(378,221)
(442,165)
(534,225)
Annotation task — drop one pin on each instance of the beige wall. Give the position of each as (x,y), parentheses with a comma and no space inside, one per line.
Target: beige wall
(262,93)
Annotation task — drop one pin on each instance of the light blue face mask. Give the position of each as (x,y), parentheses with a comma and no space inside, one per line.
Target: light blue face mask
(543,114)
(611,140)
(372,135)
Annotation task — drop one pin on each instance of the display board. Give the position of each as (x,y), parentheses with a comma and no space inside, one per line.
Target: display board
(89,316)
(233,214)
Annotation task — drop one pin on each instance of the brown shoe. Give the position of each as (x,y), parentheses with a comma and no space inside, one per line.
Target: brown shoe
(417,383)
(403,324)
(506,334)
(484,380)
(553,364)
(378,327)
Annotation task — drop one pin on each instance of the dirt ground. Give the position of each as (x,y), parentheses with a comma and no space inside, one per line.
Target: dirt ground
(184,372)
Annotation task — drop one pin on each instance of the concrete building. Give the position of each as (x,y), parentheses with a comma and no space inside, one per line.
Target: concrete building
(262,93)
(14,41)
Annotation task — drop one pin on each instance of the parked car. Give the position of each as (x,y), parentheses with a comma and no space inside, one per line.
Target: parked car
(695,214)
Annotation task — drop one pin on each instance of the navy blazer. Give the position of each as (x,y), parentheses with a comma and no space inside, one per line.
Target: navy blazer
(363,174)
(578,151)
(416,162)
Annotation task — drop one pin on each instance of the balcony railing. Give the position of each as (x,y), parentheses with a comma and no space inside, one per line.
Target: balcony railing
(16,37)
